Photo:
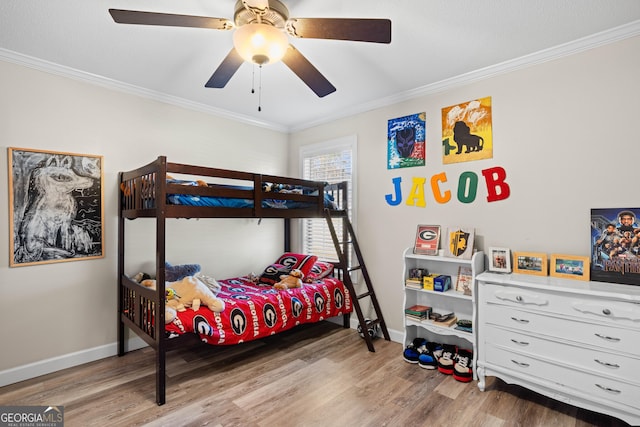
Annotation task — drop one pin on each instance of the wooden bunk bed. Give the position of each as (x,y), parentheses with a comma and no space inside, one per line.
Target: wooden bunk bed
(152,191)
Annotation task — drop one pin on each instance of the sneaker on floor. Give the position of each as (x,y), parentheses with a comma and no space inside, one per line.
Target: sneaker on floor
(429,357)
(446,361)
(413,350)
(462,368)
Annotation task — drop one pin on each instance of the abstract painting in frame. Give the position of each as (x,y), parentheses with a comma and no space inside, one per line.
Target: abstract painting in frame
(467,131)
(406,141)
(55,206)
(615,245)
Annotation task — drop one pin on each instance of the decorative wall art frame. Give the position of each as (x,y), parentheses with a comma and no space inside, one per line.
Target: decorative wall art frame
(530,263)
(615,245)
(459,242)
(427,240)
(500,260)
(406,138)
(55,206)
(467,131)
(569,266)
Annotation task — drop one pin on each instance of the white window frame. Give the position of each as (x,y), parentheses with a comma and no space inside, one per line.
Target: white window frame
(335,145)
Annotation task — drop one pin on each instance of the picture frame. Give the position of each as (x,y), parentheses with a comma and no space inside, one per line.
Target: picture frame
(56,206)
(530,263)
(569,266)
(459,242)
(500,260)
(427,240)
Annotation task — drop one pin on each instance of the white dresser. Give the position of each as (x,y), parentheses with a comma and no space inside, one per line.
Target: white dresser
(574,341)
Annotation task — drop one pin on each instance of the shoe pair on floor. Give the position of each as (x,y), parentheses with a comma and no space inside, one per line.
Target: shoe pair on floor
(447,358)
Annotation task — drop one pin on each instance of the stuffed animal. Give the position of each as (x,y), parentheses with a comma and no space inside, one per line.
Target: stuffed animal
(190,292)
(291,280)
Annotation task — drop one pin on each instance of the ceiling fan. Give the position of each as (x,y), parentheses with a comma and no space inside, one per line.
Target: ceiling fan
(261,30)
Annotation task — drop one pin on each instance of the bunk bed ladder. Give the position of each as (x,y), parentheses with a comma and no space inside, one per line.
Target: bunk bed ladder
(342,250)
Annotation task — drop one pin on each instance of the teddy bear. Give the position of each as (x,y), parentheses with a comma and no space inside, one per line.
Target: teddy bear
(291,280)
(188,292)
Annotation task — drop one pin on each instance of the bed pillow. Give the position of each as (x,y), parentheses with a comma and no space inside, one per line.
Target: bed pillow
(173,273)
(271,274)
(302,262)
(320,269)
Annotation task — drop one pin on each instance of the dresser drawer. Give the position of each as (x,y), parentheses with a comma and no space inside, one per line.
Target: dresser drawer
(594,385)
(611,338)
(606,363)
(596,309)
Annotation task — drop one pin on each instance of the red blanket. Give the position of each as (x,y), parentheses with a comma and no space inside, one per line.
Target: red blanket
(254,311)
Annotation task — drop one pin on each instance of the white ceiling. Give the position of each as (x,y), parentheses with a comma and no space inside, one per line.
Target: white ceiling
(434,43)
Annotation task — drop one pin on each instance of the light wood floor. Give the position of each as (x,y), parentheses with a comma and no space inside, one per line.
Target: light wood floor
(320,375)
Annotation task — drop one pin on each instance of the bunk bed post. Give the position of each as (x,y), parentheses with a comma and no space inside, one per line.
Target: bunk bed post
(287,234)
(161,349)
(120,272)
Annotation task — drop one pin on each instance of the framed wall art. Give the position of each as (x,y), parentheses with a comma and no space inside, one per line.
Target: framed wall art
(530,263)
(569,266)
(500,260)
(467,131)
(427,240)
(56,207)
(406,141)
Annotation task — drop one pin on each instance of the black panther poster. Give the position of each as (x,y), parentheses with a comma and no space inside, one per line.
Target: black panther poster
(406,141)
(615,245)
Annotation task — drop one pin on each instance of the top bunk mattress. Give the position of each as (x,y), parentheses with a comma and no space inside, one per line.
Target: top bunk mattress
(231,202)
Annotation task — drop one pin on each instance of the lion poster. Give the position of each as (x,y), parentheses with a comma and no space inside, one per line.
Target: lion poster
(466,131)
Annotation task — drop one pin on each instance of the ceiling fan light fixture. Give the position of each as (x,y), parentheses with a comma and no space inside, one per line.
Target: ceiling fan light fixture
(260,43)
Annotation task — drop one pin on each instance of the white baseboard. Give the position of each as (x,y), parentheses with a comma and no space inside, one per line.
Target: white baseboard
(43,367)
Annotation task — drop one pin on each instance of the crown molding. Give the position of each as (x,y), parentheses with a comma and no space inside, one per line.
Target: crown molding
(61,70)
(580,45)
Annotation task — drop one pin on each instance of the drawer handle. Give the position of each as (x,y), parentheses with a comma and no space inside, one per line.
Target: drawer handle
(519,298)
(515,319)
(519,342)
(604,337)
(610,390)
(521,364)
(608,365)
(606,311)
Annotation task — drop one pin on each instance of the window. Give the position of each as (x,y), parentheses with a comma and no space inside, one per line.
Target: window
(331,161)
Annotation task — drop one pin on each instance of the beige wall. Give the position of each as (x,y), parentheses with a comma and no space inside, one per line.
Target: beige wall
(56,314)
(562,130)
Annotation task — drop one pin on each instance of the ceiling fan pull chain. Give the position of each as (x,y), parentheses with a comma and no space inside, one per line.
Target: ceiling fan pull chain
(260,89)
(253,77)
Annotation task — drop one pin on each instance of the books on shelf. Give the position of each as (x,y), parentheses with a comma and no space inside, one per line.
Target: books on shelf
(446,323)
(413,283)
(417,312)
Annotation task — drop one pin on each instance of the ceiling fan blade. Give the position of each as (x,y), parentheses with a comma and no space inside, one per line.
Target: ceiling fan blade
(307,72)
(226,70)
(170,20)
(360,30)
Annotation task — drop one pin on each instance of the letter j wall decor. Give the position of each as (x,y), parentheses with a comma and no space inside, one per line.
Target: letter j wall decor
(55,206)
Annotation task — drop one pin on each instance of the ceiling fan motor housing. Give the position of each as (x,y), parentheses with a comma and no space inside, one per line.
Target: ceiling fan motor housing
(276,15)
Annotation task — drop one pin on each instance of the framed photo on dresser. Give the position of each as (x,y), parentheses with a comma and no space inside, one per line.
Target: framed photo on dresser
(530,263)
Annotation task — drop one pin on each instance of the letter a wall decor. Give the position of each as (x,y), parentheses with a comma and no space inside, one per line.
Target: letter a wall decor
(55,207)
(406,141)
(466,132)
